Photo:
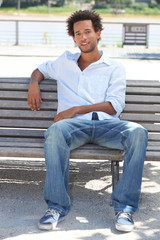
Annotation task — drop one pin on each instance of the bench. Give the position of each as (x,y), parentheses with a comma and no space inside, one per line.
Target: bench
(135,34)
(22,130)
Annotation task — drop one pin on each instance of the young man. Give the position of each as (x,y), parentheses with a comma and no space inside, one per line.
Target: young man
(91,95)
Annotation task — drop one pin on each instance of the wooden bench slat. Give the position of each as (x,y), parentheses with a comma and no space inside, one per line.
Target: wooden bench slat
(151,127)
(24,80)
(22,144)
(22,104)
(153,147)
(22,123)
(142,108)
(21,133)
(140,117)
(143,90)
(27,114)
(142,99)
(24,87)
(153,143)
(143,83)
(21,152)
(23,139)
(105,154)
(78,153)
(23,95)
(14,80)
(154,136)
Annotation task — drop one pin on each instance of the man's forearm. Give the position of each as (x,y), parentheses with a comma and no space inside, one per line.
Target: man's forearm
(71,112)
(98,107)
(36,76)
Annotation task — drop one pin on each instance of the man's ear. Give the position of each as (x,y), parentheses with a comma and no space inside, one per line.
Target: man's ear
(74,40)
(98,34)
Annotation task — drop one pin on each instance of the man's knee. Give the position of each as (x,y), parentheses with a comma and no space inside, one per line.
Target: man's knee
(138,134)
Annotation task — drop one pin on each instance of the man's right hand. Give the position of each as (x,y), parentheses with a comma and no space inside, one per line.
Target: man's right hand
(34,96)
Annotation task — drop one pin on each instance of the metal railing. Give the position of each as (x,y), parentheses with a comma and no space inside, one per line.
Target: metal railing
(38,32)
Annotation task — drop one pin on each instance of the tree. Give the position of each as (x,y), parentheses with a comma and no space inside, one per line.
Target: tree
(23,3)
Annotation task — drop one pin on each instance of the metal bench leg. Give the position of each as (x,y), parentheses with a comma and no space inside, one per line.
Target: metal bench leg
(115,173)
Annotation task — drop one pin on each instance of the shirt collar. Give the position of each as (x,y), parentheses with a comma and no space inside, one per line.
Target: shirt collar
(103,59)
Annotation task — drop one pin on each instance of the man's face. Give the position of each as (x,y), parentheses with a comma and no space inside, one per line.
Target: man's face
(85,36)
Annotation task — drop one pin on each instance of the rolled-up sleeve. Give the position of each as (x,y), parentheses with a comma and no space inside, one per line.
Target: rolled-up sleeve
(48,70)
(116,89)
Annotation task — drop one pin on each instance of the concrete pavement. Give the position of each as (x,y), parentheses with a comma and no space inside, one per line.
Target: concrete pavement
(18,61)
(128,52)
(91,217)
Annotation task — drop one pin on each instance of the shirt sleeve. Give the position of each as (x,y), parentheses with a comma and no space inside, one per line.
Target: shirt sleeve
(48,70)
(116,90)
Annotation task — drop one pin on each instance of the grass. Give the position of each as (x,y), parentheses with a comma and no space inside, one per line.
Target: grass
(41,9)
(55,10)
(68,9)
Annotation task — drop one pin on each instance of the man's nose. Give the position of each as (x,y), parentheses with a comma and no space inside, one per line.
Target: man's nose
(83,36)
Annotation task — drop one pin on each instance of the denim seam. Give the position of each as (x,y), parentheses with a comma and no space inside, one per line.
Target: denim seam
(93,131)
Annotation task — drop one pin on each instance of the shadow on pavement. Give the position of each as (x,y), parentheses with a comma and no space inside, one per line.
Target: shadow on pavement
(91,215)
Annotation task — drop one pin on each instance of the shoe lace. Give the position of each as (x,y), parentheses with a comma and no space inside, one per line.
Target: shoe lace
(51,212)
(124,215)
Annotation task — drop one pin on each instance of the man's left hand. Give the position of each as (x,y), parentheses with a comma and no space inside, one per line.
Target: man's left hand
(69,113)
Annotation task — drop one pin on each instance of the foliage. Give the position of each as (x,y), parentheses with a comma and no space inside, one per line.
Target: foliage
(145,11)
(59,3)
(24,3)
(154,4)
(105,7)
(44,9)
(139,6)
(128,3)
(29,3)
(102,6)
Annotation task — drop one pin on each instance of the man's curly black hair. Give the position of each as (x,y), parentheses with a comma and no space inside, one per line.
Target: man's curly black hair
(84,15)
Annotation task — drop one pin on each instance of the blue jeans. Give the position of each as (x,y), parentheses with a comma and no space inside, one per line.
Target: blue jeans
(68,134)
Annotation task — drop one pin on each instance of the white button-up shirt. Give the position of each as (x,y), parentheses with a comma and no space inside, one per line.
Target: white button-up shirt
(101,81)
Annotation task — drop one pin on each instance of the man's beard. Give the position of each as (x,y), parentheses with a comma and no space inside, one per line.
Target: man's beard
(92,47)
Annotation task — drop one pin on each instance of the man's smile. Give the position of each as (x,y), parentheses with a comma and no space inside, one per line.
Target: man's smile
(84,44)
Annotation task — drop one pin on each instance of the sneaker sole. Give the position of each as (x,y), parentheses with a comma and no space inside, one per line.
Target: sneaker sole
(50,226)
(124,228)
